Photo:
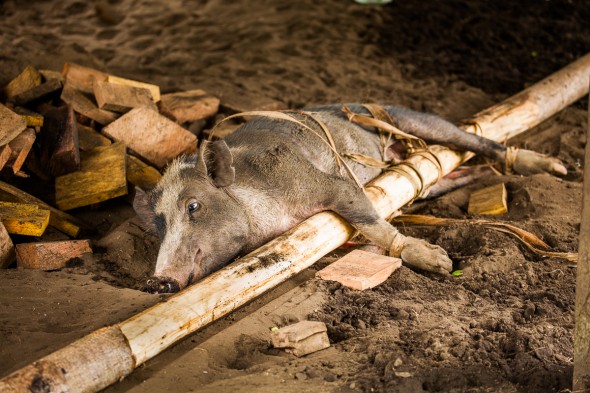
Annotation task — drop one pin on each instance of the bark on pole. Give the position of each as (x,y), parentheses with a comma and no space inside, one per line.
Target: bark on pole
(143,336)
(582,331)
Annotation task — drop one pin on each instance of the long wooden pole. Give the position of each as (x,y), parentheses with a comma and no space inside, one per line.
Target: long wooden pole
(581,381)
(119,349)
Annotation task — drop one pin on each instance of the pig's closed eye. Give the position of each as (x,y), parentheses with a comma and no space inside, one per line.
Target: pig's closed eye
(192,207)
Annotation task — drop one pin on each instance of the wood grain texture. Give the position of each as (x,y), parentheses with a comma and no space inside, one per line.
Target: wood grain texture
(152,136)
(11,124)
(89,138)
(32,119)
(192,105)
(60,151)
(154,89)
(491,200)
(21,146)
(5,153)
(121,98)
(102,176)
(141,174)
(7,251)
(23,218)
(50,255)
(38,92)
(81,78)
(84,105)
(26,80)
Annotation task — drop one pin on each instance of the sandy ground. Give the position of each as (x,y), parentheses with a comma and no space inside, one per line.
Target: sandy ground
(505,325)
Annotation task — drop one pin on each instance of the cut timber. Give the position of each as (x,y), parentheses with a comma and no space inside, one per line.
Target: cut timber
(5,153)
(154,89)
(490,200)
(61,221)
(89,138)
(38,92)
(145,335)
(60,148)
(21,146)
(301,338)
(121,98)
(85,106)
(7,253)
(50,255)
(360,270)
(26,80)
(11,124)
(142,175)
(190,105)
(32,119)
(81,78)
(101,177)
(152,136)
(23,218)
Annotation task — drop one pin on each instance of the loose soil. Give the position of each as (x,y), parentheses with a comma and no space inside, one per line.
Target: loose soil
(506,325)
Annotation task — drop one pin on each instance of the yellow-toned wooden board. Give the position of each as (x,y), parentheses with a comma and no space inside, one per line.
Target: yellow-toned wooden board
(11,124)
(61,221)
(23,218)
(33,119)
(490,200)
(102,176)
(154,89)
(141,174)
(27,79)
(89,138)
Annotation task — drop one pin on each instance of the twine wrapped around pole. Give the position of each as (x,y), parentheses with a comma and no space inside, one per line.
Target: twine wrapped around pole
(110,354)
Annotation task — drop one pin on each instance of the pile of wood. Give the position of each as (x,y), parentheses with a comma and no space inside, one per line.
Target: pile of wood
(90,136)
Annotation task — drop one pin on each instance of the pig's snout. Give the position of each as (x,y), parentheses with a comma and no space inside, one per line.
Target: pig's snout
(162,285)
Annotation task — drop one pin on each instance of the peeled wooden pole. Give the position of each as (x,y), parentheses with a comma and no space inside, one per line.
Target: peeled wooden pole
(145,335)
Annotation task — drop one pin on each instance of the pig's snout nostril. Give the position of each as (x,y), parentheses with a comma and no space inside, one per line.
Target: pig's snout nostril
(162,285)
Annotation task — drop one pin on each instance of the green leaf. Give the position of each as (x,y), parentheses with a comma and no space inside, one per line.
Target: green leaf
(457,273)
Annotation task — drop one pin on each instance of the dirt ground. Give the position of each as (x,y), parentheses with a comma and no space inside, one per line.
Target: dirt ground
(506,325)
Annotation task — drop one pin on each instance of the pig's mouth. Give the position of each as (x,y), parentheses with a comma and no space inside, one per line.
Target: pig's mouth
(158,284)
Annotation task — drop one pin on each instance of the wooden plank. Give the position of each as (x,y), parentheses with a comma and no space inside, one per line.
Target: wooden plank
(7,253)
(11,124)
(63,222)
(5,153)
(82,78)
(102,176)
(27,79)
(60,151)
(85,105)
(489,201)
(154,89)
(20,146)
(32,119)
(141,174)
(50,255)
(23,218)
(360,270)
(152,136)
(38,92)
(89,138)
(189,106)
(121,98)
(581,379)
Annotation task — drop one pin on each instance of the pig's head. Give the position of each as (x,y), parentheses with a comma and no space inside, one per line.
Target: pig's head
(201,227)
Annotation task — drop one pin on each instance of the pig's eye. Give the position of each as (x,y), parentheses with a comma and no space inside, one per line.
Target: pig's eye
(192,207)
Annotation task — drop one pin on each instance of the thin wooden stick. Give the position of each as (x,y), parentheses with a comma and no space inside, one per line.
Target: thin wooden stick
(155,329)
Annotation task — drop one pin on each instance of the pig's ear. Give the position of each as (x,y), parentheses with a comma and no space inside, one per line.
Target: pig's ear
(142,208)
(217,162)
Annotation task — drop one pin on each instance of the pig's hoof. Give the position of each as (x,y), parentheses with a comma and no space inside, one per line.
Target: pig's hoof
(162,285)
(420,254)
(529,162)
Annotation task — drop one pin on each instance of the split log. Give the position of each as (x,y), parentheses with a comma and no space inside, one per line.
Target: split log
(32,119)
(11,124)
(154,89)
(150,332)
(50,255)
(20,146)
(38,92)
(7,252)
(491,200)
(82,78)
(85,105)
(101,177)
(23,218)
(26,80)
(189,106)
(61,221)
(121,98)
(581,380)
(60,151)
(152,136)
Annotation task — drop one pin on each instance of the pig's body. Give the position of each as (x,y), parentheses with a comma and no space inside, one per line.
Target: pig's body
(268,176)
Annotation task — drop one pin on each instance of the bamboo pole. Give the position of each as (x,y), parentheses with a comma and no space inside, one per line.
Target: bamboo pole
(581,381)
(145,335)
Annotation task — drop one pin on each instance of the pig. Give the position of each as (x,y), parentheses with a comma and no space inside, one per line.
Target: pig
(236,194)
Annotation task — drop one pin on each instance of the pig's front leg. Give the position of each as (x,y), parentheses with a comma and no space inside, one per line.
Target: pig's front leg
(354,206)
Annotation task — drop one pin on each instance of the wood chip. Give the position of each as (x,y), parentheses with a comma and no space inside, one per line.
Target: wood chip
(26,80)
(189,106)
(154,89)
(489,201)
(121,98)
(23,219)
(50,255)
(11,124)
